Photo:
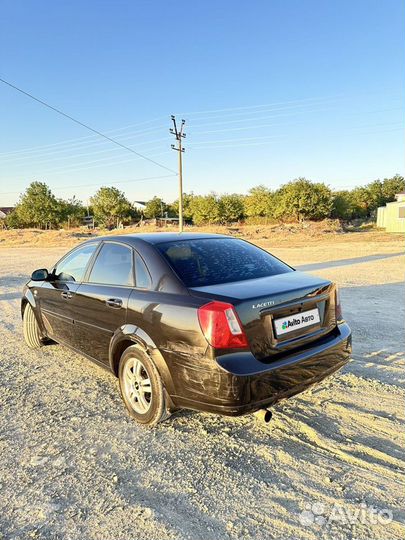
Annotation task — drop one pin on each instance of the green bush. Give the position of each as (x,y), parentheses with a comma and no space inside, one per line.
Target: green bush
(173,209)
(342,205)
(155,208)
(259,202)
(205,209)
(37,207)
(302,199)
(231,208)
(297,200)
(110,206)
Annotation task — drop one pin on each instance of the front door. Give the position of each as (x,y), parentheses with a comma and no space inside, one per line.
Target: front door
(100,303)
(56,294)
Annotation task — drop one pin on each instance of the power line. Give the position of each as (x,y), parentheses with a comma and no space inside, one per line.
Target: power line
(72,153)
(61,188)
(94,164)
(249,113)
(65,149)
(82,142)
(147,142)
(286,102)
(84,125)
(57,151)
(283,114)
(88,141)
(251,107)
(259,126)
(78,140)
(275,138)
(63,146)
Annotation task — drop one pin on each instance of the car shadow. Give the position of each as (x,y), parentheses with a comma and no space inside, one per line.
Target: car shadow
(346,262)
(10,296)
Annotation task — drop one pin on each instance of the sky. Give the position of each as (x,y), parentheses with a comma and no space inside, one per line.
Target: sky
(270,91)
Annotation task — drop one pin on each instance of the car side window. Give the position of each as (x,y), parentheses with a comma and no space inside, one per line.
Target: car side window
(73,266)
(113,266)
(142,277)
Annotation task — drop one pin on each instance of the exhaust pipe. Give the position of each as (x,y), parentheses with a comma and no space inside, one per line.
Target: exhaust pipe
(264,415)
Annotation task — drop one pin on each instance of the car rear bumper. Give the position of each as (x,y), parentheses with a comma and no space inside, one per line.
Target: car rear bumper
(243,384)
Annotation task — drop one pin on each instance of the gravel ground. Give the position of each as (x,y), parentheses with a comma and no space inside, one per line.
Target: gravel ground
(73,465)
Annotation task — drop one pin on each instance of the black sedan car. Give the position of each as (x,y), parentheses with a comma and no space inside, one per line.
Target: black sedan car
(199,321)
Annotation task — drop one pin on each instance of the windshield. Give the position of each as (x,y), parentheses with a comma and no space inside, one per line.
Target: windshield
(211,261)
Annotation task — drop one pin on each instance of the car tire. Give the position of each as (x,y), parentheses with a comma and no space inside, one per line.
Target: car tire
(141,387)
(32,332)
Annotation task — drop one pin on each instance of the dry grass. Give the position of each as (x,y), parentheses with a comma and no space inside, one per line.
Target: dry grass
(267,236)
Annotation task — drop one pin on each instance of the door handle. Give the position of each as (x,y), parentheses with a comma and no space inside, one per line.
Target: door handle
(114,302)
(66,295)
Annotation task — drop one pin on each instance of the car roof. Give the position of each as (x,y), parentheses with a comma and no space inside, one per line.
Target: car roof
(160,237)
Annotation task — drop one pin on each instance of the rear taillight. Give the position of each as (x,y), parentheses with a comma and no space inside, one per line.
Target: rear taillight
(221,326)
(338,306)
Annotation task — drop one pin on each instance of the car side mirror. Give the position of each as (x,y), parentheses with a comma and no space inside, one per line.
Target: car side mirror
(40,275)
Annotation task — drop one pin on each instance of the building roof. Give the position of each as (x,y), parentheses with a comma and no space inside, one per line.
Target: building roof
(6,209)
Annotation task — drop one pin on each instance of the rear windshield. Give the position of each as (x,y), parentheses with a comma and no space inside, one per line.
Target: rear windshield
(211,261)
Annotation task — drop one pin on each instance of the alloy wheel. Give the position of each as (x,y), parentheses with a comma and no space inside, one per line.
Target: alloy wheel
(137,385)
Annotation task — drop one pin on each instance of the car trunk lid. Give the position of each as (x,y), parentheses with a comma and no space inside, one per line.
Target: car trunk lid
(278,312)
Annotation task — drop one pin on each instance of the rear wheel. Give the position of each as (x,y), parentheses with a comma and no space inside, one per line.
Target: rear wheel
(32,333)
(141,387)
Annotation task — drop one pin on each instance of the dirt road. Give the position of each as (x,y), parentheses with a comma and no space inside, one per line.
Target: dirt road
(74,466)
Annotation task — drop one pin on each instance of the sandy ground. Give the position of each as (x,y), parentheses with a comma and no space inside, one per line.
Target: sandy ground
(74,466)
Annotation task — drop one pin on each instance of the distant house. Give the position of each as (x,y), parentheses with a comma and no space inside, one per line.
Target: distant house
(391,217)
(5,210)
(139,205)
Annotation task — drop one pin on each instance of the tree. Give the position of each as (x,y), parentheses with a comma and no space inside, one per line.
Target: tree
(155,208)
(342,205)
(259,202)
(71,211)
(375,195)
(13,220)
(38,207)
(231,207)
(361,202)
(110,206)
(392,186)
(302,199)
(205,209)
(366,199)
(187,202)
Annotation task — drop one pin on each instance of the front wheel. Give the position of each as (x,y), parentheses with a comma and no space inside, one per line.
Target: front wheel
(141,387)
(32,332)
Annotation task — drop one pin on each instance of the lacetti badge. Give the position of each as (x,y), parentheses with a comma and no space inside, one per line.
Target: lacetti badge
(299,320)
(263,304)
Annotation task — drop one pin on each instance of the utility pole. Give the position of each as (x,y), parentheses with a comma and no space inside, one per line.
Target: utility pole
(179,148)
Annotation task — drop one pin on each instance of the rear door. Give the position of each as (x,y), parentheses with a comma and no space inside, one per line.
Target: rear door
(100,303)
(56,295)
